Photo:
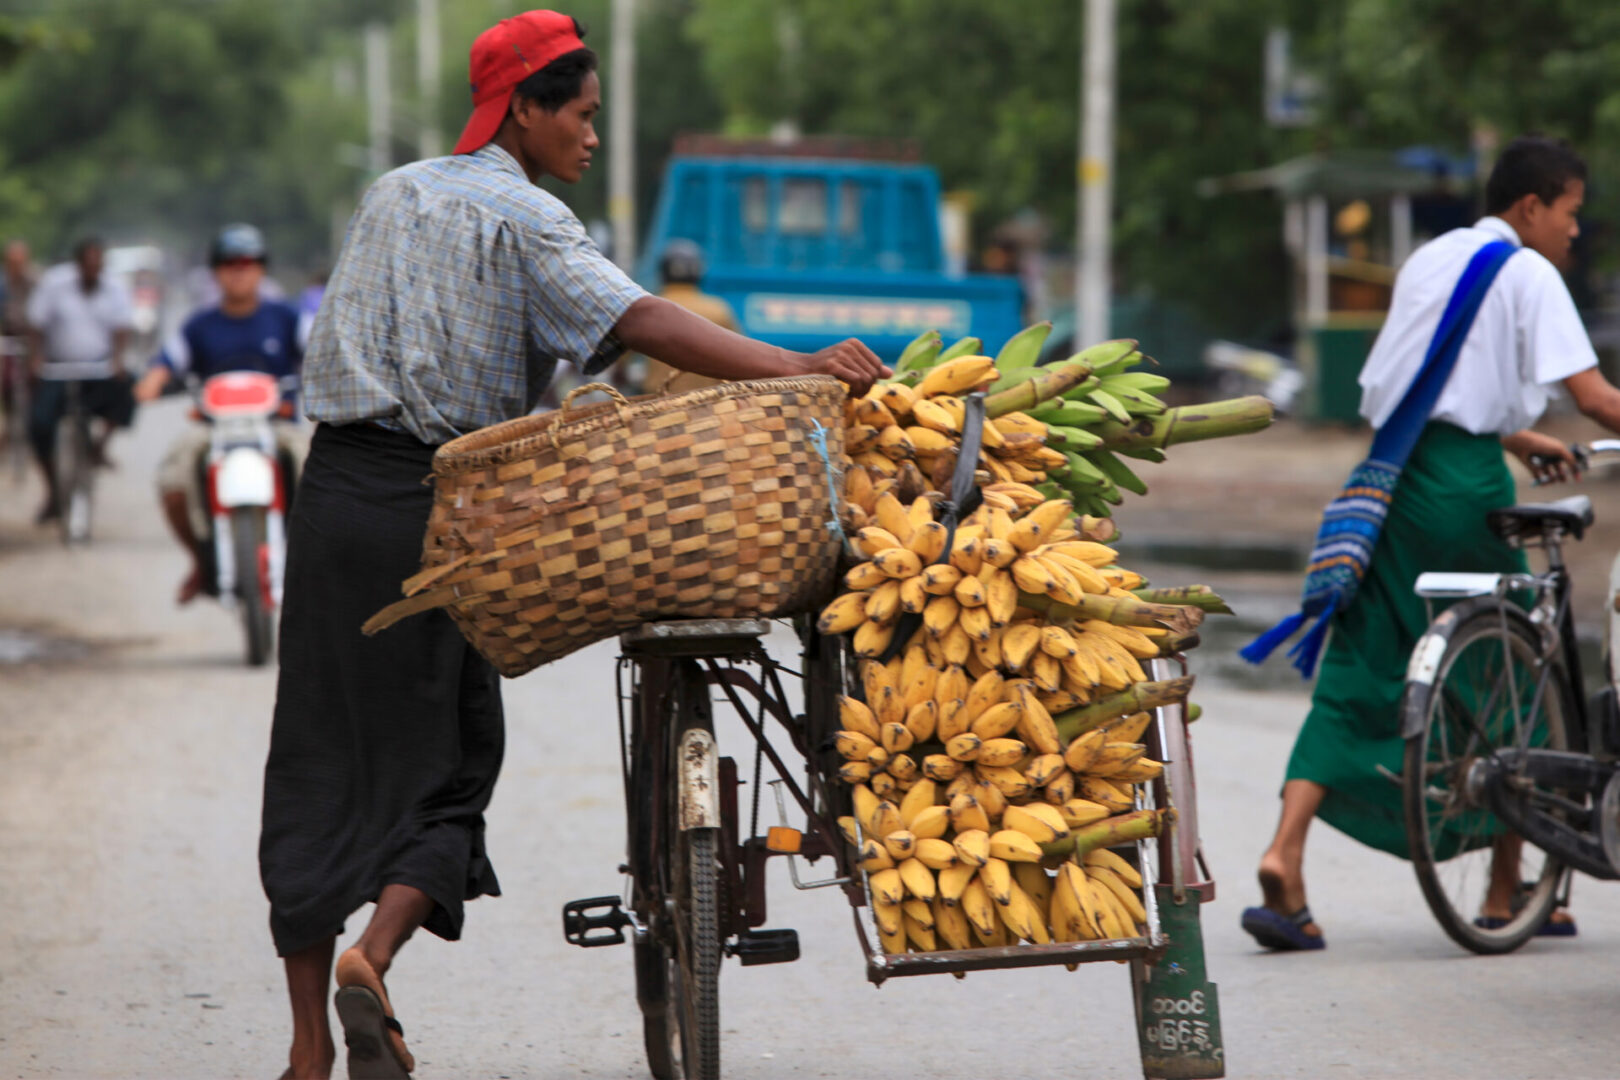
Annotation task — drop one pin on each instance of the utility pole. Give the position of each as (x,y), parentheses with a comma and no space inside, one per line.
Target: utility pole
(428,143)
(1092,278)
(621,110)
(378,106)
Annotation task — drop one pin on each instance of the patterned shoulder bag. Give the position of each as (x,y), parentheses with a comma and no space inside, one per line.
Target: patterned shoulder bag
(1351,523)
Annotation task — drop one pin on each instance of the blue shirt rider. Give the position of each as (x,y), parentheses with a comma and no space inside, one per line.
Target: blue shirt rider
(243,332)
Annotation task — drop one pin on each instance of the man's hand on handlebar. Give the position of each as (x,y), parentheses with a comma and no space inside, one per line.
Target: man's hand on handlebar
(849,361)
(1548,460)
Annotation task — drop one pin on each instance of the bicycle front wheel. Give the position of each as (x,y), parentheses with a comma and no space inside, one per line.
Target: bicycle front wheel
(75,476)
(248,528)
(694,894)
(678,967)
(1489,689)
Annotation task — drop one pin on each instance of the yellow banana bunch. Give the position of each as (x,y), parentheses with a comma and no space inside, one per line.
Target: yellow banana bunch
(1001,732)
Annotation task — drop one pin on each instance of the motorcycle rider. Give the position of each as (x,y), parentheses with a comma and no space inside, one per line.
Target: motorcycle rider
(681,266)
(244,331)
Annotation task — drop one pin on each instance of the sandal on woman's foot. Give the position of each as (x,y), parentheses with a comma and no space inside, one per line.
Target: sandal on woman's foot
(1559,921)
(375,1039)
(1285,933)
(1553,927)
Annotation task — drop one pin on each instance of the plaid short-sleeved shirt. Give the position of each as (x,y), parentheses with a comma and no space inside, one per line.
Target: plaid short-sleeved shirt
(459,286)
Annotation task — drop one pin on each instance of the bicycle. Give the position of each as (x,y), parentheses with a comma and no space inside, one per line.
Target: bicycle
(1502,745)
(75,466)
(695,880)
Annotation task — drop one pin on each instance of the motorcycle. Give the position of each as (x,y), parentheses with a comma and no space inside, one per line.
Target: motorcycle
(1240,370)
(246,489)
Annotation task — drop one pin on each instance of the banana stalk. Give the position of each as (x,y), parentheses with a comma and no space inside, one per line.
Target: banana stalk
(1199,596)
(1177,618)
(1171,644)
(1189,423)
(1052,382)
(1133,699)
(1112,832)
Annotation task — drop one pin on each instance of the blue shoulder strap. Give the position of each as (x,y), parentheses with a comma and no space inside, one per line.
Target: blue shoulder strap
(1352,522)
(1394,441)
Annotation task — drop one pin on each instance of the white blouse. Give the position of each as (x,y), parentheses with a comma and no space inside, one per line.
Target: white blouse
(1526,338)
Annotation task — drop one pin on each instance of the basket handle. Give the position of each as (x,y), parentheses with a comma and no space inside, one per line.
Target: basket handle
(606,388)
(619,404)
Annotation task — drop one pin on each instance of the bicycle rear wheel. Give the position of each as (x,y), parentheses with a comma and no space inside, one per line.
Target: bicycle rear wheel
(1489,690)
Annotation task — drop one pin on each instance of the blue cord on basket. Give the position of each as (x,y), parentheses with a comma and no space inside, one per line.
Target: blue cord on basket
(818,438)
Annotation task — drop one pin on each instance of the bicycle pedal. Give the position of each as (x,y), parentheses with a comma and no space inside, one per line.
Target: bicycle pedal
(590,931)
(765,947)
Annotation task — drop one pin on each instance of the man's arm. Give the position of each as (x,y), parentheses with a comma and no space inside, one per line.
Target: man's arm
(150,386)
(1548,460)
(666,331)
(1596,397)
(36,351)
(120,341)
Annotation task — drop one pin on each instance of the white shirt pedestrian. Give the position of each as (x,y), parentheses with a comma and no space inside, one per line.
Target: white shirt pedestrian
(77,326)
(1527,337)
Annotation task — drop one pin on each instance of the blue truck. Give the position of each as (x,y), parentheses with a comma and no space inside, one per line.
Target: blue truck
(810,248)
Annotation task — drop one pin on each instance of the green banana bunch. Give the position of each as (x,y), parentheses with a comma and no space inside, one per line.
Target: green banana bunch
(1098,410)
(925,353)
(1018,356)
(920,354)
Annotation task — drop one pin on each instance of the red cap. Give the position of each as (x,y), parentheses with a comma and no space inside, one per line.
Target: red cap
(505,55)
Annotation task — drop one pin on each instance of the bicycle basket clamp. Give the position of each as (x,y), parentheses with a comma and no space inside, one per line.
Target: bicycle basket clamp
(963,499)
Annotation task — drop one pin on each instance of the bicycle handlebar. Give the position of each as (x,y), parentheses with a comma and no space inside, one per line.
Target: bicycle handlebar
(1583,455)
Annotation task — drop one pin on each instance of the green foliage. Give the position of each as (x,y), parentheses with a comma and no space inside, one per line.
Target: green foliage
(991,92)
(159,119)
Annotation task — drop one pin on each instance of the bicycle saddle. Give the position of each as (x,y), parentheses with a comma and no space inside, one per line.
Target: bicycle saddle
(1573,514)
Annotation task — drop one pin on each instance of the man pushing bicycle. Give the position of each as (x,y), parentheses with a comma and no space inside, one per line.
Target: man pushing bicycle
(459,285)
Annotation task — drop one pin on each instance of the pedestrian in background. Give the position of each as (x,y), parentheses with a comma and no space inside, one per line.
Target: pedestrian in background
(16,286)
(1524,342)
(79,323)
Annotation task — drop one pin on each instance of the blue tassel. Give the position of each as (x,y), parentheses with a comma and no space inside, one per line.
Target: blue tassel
(1256,651)
(1309,647)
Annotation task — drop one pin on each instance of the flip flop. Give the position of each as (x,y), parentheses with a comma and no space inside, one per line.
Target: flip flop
(375,1040)
(1551,928)
(1284,933)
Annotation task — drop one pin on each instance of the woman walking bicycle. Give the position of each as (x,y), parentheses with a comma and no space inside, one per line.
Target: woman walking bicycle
(1481,329)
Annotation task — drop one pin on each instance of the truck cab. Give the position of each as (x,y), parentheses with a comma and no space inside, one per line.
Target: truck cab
(810,247)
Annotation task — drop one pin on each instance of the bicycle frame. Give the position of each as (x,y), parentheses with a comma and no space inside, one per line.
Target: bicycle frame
(643,674)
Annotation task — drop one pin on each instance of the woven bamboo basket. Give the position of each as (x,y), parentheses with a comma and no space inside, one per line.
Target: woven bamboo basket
(551,532)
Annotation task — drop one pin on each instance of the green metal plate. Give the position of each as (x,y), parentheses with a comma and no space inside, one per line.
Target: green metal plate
(1178,1012)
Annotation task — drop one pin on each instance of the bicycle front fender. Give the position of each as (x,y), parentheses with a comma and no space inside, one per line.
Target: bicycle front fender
(699,772)
(1424,665)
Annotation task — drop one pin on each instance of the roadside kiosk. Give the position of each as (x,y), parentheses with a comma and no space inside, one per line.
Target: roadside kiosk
(1350,219)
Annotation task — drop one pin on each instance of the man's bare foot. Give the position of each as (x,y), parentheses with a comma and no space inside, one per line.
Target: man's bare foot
(1283,891)
(304,1065)
(190,587)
